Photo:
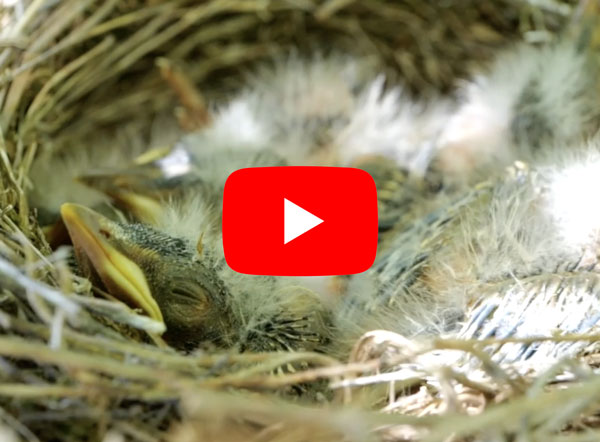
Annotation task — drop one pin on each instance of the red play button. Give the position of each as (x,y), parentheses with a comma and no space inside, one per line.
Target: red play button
(300,221)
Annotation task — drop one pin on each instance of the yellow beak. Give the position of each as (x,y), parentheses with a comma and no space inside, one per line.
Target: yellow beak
(90,233)
(126,190)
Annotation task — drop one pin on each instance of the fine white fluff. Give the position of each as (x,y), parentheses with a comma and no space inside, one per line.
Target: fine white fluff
(210,159)
(535,259)
(213,162)
(512,230)
(508,233)
(190,218)
(238,124)
(572,194)
(390,123)
(329,111)
(297,96)
(529,97)
(198,211)
(293,104)
(542,222)
(503,248)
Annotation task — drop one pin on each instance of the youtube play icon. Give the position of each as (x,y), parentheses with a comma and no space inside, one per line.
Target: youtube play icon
(300,221)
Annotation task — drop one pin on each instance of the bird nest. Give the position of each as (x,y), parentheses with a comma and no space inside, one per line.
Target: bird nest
(79,367)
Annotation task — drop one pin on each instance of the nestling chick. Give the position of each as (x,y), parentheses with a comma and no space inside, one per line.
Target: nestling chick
(199,298)
(497,256)
(54,179)
(55,172)
(326,111)
(197,163)
(330,111)
(530,98)
(523,260)
(172,266)
(174,269)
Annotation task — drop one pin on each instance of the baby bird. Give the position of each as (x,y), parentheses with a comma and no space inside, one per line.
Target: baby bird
(538,270)
(197,163)
(530,99)
(54,176)
(516,256)
(169,261)
(171,266)
(331,111)
(183,281)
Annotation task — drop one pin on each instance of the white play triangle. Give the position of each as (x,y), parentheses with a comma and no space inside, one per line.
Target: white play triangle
(296,221)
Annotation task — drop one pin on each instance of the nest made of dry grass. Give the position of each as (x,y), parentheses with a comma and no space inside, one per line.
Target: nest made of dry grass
(74,367)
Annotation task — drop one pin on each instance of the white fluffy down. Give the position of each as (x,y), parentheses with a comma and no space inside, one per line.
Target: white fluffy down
(526,224)
(329,111)
(528,96)
(536,222)
(389,123)
(572,197)
(504,247)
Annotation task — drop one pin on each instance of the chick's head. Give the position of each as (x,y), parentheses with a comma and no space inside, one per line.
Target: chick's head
(151,270)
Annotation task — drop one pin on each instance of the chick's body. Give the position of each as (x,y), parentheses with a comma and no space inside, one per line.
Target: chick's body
(531,99)
(515,257)
(448,259)
(178,255)
(322,111)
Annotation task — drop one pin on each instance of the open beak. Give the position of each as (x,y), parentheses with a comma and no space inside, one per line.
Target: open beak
(90,233)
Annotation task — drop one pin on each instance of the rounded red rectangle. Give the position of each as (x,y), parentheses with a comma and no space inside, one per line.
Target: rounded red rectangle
(300,221)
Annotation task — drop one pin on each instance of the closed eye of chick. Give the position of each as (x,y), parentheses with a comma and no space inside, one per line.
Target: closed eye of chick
(169,262)
(150,270)
(172,266)
(197,296)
